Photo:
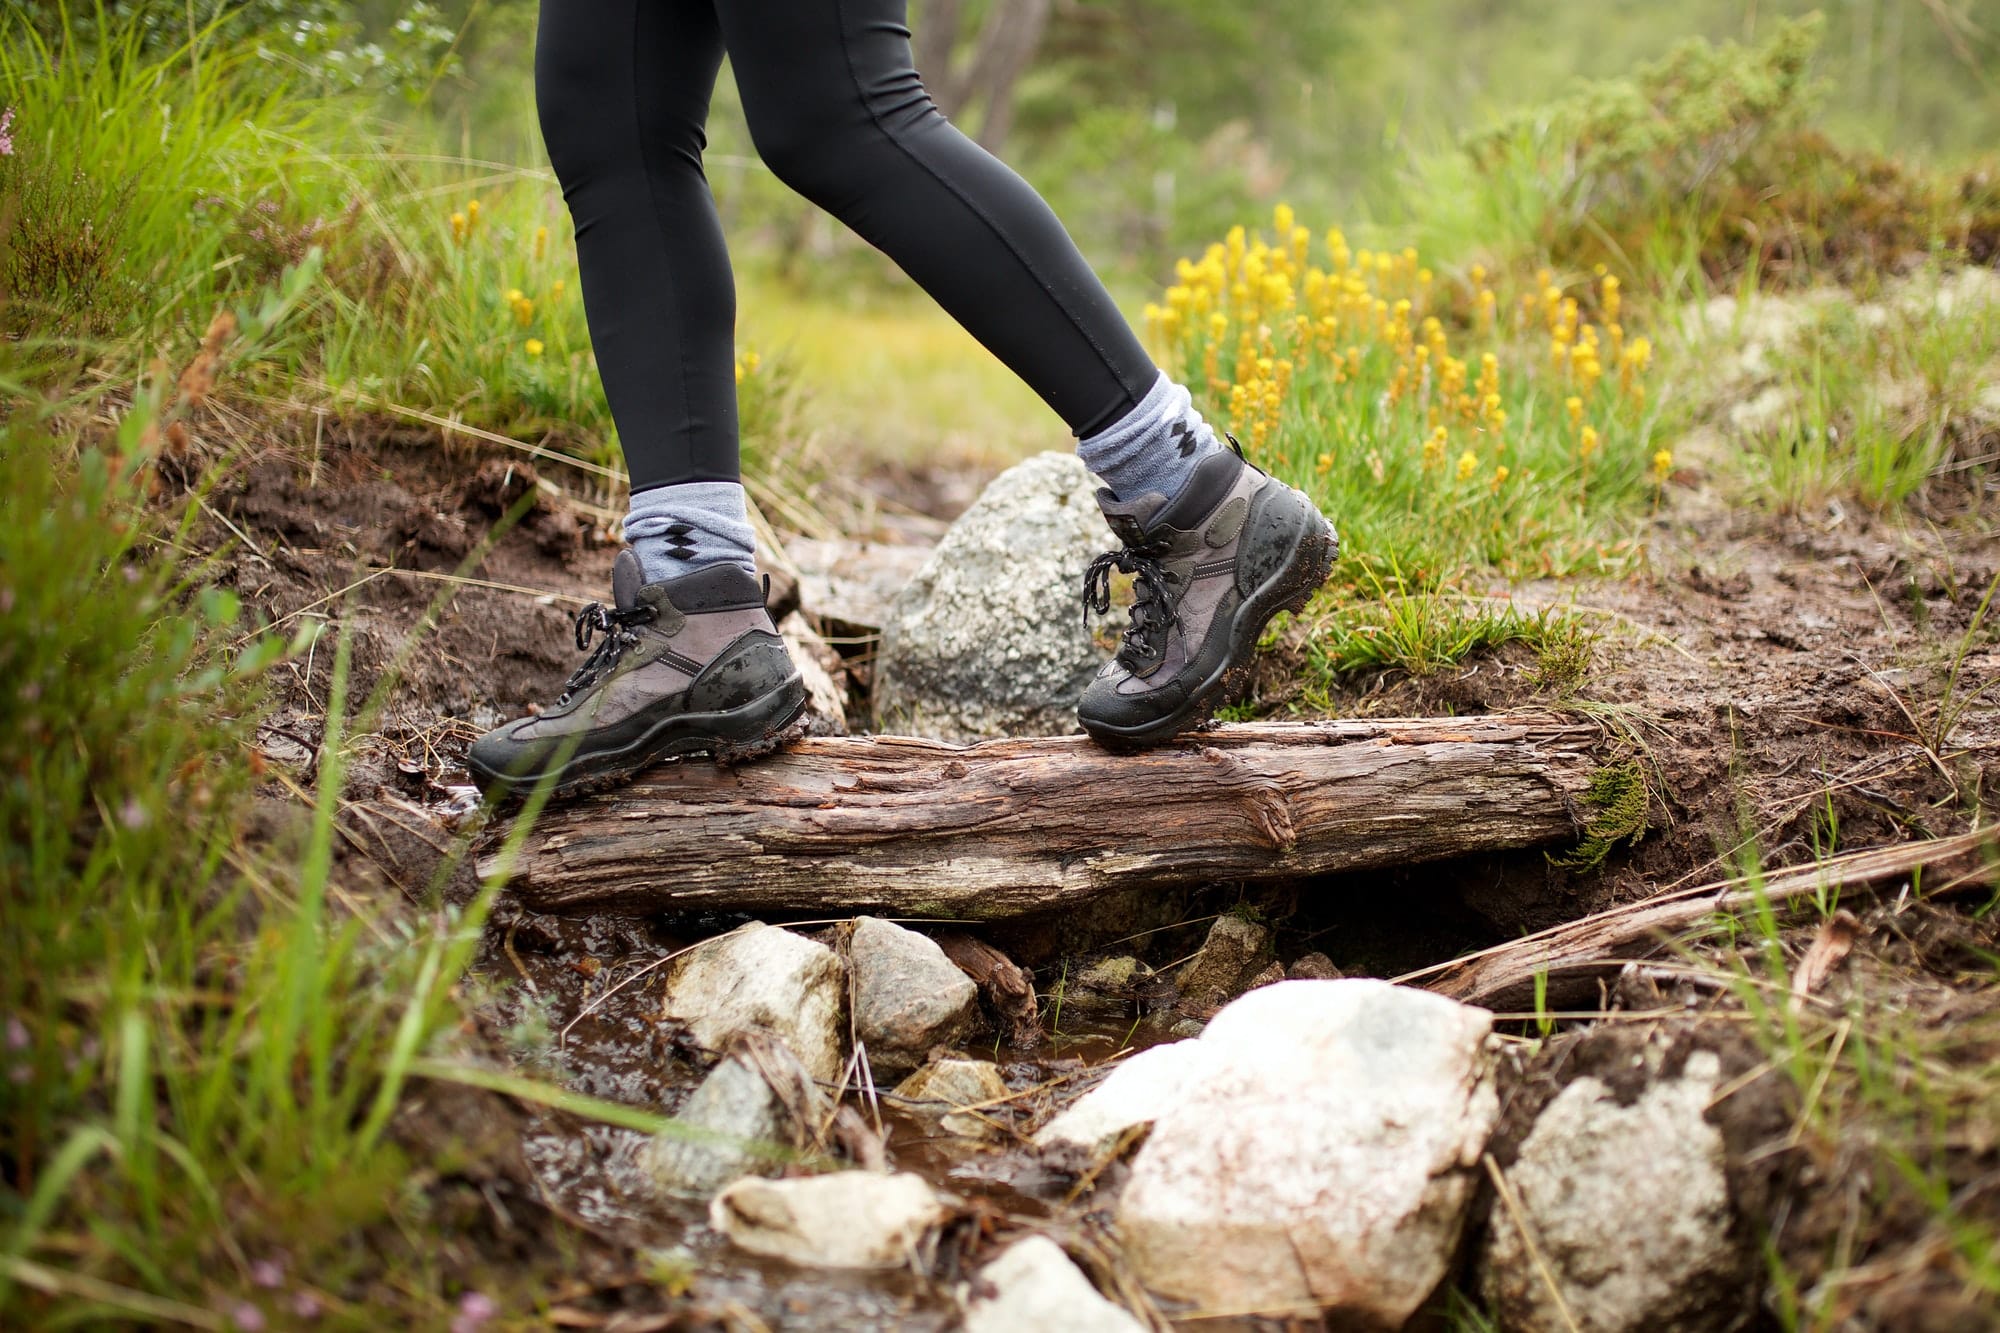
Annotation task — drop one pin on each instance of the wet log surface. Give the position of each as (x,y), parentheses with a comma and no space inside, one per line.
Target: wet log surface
(1016,828)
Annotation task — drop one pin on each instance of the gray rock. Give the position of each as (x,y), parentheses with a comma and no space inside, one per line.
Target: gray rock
(987,639)
(1314,967)
(908,997)
(1034,1286)
(1326,1158)
(759,978)
(1628,1207)
(943,1085)
(851,1219)
(1111,976)
(1235,951)
(736,1123)
(1187,1027)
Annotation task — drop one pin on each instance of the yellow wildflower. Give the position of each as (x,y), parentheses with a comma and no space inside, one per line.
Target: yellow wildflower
(541,243)
(533,347)
(460,228)
(1574,406)
(1282,220)
(1663,465)
(556,289)
(1499,476)
(1434,449)
(1468,463)
(1325,464)
(1586,443)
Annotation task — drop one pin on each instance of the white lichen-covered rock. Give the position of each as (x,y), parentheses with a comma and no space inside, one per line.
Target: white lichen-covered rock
(1628,1207)
(1325,1160)
(1137,1092)
(759,978)
(1034,1288)
(988,639)
(908,997)
(943,1087)
(852,1219)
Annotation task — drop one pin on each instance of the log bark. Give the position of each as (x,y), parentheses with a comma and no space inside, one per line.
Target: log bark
(1012,828)
(1597,947)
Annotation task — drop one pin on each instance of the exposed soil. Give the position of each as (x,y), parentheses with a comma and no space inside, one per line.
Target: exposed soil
(1772,676)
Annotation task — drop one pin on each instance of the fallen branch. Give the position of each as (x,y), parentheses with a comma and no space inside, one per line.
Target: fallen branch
(1598,946)
(1011,828)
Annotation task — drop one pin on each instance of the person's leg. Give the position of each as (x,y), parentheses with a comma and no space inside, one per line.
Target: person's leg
(1217,548)
(839,112)
(685,660)
(622,88)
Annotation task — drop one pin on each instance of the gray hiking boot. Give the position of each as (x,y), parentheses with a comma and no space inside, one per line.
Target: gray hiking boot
(690,665)
(1210,568)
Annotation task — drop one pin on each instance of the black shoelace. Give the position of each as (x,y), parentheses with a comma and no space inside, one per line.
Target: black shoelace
(1153,613)
(616,627)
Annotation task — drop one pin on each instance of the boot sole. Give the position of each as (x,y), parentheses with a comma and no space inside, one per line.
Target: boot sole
(1311,561)
(737,736)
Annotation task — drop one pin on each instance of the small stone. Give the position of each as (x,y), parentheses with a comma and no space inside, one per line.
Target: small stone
(1274,971)
(734,1125)
(759,978)
(1034,1286)
(1186,1027)
(908,997)
(1629,1207)
(852,1219)
(1137,1092)
(1314,967)
(1235,951)
(1110,976)
(945,1084)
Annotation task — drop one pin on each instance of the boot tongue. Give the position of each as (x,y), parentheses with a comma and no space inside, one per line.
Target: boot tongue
(627,577)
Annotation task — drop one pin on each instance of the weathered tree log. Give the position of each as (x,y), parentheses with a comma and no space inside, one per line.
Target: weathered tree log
(1002,984)
(1596,947)
(1012,828)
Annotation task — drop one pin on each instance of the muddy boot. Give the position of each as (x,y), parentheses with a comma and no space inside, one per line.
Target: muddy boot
(691,665)
(1210,568)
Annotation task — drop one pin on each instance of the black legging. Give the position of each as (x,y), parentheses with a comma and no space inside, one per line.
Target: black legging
(838,112)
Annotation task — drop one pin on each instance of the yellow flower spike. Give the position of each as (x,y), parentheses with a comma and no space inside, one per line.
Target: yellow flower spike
(1574,406)
(1152,314)
(751,361)
(1663,465)
(541,243)
(1468,463)
(524,310)
(1478,275)
(739,372)
(1544,277)
(533,347)
(1612,299)
(1499,477)
(1283,220)
(460,228)
(513,295)
(1302,239)
(1586,443)
(472,213)
(1324,465)
(556,289)
(1218,325)
(1434,448)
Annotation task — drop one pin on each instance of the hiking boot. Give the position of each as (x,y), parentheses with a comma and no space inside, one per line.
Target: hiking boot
(1210,568)
(690,665)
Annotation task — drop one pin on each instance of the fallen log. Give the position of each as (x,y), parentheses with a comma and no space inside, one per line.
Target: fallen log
(1011,828)
(1596,947)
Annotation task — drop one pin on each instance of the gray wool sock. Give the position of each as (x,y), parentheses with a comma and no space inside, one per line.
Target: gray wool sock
(1152,448)
(679,529)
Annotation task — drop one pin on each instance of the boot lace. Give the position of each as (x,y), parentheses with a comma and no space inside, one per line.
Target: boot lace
(1154,612)
(617,628)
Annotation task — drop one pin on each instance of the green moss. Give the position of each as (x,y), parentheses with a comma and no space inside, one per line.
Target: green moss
(1619,803)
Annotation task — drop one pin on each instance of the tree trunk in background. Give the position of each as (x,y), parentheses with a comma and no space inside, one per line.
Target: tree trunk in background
(987,75)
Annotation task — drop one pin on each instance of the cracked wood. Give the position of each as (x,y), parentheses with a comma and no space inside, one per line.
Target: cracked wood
(1013,828)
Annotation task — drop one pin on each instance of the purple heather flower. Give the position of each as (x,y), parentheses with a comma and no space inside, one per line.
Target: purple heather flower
(7,132)
(268,1274)
(306,1305)
(17,1033)
(474,1309)
(247,1317)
